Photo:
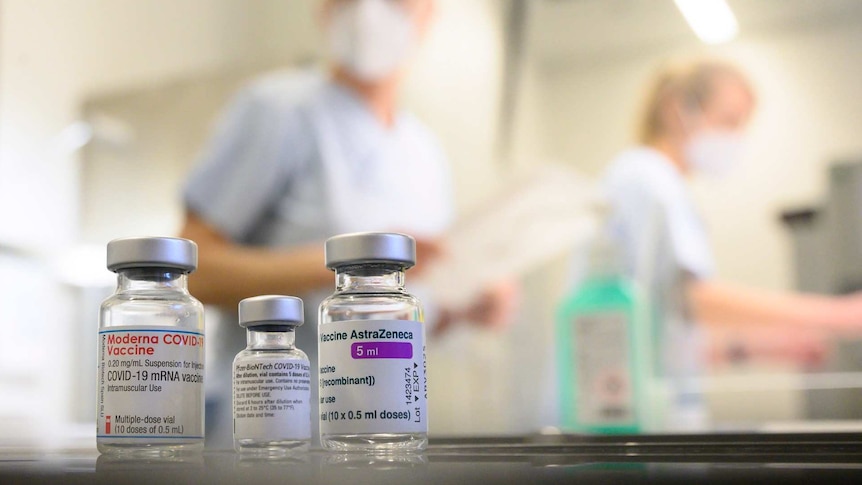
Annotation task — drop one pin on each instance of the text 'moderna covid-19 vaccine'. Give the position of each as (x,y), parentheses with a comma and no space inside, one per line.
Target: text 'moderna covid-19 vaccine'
(371,348)
(271,379)
(150,367)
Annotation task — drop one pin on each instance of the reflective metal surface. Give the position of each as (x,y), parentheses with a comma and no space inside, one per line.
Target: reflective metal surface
(722,458)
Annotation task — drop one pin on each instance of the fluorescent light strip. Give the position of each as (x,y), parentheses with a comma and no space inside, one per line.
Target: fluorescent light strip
(711,20)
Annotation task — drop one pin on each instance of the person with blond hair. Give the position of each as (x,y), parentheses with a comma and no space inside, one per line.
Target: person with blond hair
(693,124)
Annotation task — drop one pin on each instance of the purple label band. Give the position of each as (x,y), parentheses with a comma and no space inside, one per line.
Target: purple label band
(381,350)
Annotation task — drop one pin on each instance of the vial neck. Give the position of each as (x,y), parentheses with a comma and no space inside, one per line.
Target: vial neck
(271,338)
(142,279)
(370,278)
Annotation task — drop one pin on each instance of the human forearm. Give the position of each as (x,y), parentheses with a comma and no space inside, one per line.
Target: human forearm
(725,304)
(228,272)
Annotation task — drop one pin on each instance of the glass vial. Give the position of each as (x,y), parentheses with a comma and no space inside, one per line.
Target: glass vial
(271,380)
(371,348)
(151,351)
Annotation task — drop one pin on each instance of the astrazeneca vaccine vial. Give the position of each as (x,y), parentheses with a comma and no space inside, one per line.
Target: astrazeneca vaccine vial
(151,351)
(271,380)
(371,348)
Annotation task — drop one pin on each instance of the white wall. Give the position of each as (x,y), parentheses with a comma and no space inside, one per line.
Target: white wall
(54,54)
(455,87)
(810,112)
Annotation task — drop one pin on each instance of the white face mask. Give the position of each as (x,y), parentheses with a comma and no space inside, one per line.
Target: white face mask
(714,153)
(371,38)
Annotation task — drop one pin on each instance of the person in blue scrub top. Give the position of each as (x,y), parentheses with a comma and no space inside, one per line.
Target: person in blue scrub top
(694,124)
(302,156)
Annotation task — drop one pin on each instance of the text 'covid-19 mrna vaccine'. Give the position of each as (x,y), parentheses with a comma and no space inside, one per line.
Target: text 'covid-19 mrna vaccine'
(150,367)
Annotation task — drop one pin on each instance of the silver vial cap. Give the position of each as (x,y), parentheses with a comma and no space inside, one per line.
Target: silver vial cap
(152,252)
(370,247)
(271,310)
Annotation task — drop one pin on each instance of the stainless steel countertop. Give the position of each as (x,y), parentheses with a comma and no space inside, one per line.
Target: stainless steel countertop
(713,458)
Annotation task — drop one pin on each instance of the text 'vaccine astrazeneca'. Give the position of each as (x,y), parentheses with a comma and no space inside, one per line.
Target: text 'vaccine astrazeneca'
(150,367)
(371,348)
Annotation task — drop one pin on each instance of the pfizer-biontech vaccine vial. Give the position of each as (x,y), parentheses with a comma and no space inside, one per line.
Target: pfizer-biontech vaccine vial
(371,348)
(271,380)
(151,351)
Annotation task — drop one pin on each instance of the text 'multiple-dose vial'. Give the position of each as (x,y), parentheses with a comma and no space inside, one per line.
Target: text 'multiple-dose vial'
(150,372)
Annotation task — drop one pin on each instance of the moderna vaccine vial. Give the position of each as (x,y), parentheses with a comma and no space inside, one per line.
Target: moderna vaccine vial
(151,351)
(271,379)
(371,348)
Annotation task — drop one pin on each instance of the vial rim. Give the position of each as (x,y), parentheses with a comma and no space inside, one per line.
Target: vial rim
(370,248)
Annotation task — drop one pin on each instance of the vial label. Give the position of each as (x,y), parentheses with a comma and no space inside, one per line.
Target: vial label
(150,383)
(372,377)
(271,399)
(602,356)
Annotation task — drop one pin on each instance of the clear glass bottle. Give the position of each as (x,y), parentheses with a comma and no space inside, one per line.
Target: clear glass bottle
(371,348)
(271,380)
(151,351)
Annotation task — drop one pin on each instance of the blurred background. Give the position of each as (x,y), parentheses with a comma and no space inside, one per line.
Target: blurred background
(105,105)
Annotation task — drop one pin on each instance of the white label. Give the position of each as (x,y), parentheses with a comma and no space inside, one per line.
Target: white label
(605,392)
(271,399)
(151,383)
(372,377)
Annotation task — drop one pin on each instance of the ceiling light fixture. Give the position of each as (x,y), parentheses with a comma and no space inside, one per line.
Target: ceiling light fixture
(711,20)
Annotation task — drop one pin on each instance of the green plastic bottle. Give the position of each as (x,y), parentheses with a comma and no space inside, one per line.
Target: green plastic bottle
(600,350)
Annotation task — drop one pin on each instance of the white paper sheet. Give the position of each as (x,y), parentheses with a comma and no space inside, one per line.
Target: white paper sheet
(533,220)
